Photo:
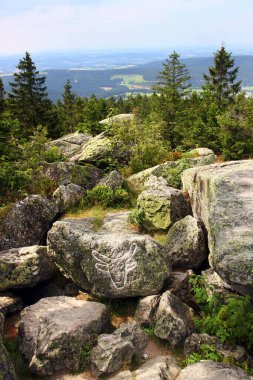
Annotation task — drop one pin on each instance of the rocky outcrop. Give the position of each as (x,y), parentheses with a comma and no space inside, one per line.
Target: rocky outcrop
(113,180)
(71,144)
(9,303)
(146,309)
(24,267)
(209,370)
(162,206)
(67,196)
(7,371)
(123,117)
(109,264)
(64,173)
(194,342)
(222,197)
(53,331)
(159,368)
(114,350)
(28,222)
(174,320)
(171,170)
(185,244)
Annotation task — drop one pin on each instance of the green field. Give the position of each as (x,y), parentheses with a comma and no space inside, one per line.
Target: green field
(130,80)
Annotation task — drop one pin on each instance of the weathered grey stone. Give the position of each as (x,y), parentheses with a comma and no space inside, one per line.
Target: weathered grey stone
(110,353)
(222,197)
(185,244)
(53,331)
(63,173)
(193,344)
(174,320)
(123,117)
(71,144)
(169,170)
(162,207)
(28,222)
(116,222)
(215,281)
(113,180)
(146,309)
(209,370)
(9,303)
(7,371)
(114,350)
(24,267)
(67,196)
(109,264)
(159,368)
(178,284)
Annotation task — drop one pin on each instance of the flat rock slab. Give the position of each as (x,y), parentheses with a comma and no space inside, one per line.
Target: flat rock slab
(209,370)
(53,331)
(222,198)
(109,264)
(24,267)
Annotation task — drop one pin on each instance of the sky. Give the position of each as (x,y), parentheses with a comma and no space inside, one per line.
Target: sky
(62,25)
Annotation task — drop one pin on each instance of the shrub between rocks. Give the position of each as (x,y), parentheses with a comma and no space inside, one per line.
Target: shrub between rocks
(106,197)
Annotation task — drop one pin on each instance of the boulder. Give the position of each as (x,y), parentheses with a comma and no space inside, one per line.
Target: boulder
(146,309)
(7,371)
(53,331)
(178,284)
(116,222)
(9,303)
(113,180)
(64,173)
(194,342)
(114,350)
(185,244)
(24,267)
(170,170)
(162,207)
(159,368)
(174,320)
(109,264)
(123,117)
(209,370)
(214,281)
(67,196)
(71,144)
(222,198)
(27,222)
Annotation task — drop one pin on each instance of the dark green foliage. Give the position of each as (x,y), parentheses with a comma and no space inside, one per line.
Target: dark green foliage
(28,99)
(221,79)
(137,217)
(20,364)
(106,197)
(207,352)
(149,330)
(84,356)
(94,111)
(228,316)
(2,101)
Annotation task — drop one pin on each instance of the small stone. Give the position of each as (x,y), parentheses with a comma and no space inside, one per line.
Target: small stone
(146,309)
(9,303)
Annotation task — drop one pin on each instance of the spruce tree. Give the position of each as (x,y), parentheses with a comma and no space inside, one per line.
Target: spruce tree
(1,96)
(28,98)
(67,110)
(173,87)
(221,81)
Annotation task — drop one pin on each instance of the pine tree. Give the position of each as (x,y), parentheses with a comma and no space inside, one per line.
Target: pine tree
(1,96)
(221,79)
(28,98)
(173,87)
(67,110)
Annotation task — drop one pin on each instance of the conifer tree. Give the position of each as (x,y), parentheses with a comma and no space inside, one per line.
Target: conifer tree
(221,81)
(28,98)
(1,96)
(67,110)
(173,87)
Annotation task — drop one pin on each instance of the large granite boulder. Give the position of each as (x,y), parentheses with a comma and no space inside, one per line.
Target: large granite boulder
(113,180)
(110,264)
(67,196)
(71,144)
(185,244)
(64,173)
(171,170)
(222,198)
(114,350)
(27,222)
(7,371)
(174,320)
(9,303)
(24,267)
(53,331)
(121,118)
(209,370)
(162,206)
(159,368)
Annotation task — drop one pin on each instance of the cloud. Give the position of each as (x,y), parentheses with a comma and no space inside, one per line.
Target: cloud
(122,24)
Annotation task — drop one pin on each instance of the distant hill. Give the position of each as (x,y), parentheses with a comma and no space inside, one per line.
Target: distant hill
(132,79)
